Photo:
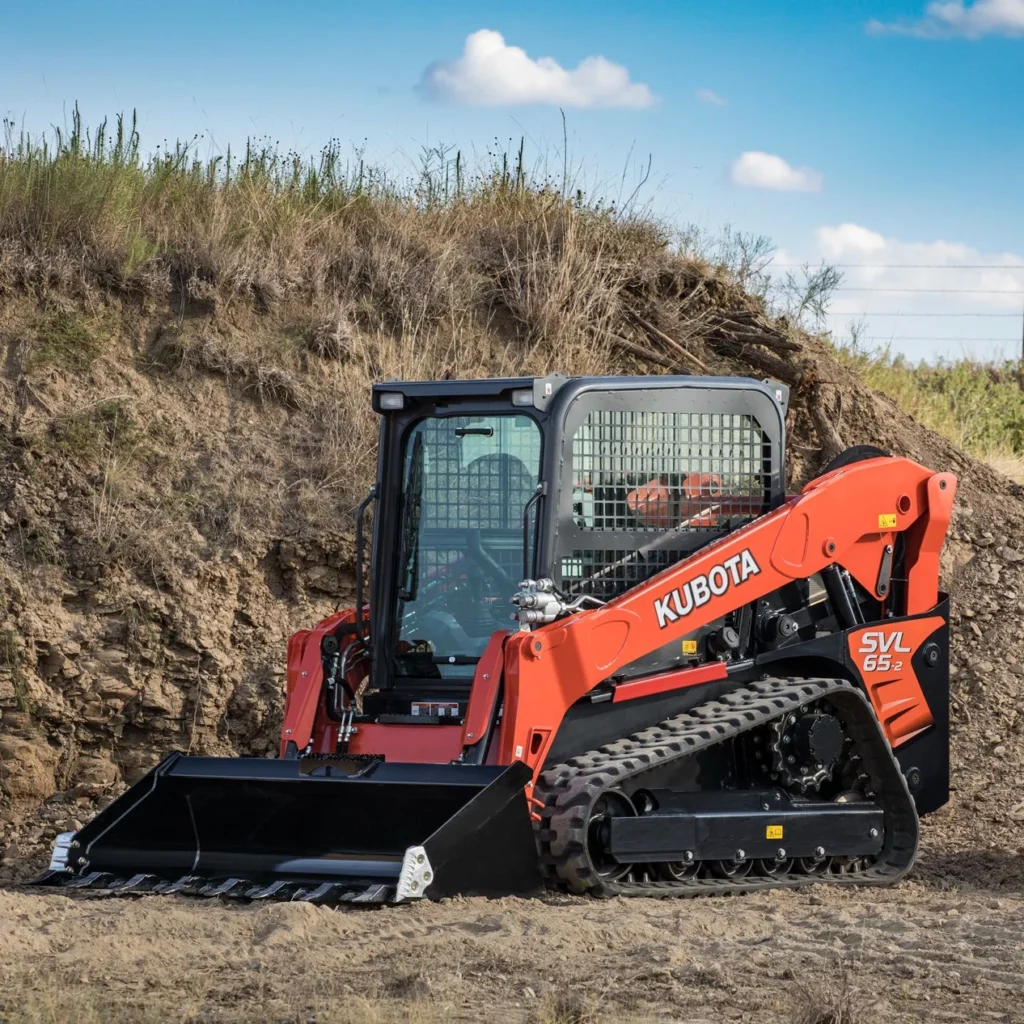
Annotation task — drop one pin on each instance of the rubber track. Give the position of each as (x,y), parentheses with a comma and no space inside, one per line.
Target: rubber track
(568,791)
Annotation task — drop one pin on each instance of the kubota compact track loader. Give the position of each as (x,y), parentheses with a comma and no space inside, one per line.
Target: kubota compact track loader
(706,686)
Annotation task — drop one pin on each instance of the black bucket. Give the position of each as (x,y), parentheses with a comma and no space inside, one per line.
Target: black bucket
(261,825)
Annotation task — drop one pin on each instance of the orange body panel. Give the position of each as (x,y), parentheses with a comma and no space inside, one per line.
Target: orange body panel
(669,681)
(302,706)
(924,544)
(428,744)
(882,654)
(486,681)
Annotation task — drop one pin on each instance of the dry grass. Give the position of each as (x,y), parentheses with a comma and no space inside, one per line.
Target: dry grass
(1011,465)
(830,998)
(441,252)
(60,996)
(566,1007)
(300,283)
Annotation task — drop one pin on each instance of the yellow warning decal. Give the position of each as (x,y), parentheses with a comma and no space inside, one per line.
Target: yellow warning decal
(887,522)
(689,647)
(773,832)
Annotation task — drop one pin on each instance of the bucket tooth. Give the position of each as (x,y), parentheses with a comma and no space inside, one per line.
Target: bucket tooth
(371,894)
(279,890)
(93,880)
(136,884)
(329,892)
(53,878)
(228,887)
(240,891)
(188,884)
(339,892)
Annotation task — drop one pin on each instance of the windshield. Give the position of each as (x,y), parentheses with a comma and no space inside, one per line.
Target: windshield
(465,483)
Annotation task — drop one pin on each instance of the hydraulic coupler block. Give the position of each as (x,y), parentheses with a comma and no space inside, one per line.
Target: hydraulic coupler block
(537,603)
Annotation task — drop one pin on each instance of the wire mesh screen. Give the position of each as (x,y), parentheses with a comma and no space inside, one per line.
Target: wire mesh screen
(479,474)
(658,477)
(474,479)
(605,574)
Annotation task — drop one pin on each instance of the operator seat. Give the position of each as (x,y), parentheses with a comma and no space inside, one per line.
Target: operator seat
(497,488)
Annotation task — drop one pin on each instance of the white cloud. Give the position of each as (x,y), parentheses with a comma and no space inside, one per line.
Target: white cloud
(927,298)
(946,18)
(711,97)
(957,272)
(491,73)
(754,169)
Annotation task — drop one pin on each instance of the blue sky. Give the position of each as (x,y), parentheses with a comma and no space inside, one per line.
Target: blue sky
(892,128)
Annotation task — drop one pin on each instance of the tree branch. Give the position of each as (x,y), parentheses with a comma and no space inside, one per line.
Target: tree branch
(674,345)
(645,353)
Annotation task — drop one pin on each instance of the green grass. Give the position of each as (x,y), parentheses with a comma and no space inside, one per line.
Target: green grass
(106,428)
(11,659)
(62,340)
(9,649)
(978,406)
(39,542)
(142,635)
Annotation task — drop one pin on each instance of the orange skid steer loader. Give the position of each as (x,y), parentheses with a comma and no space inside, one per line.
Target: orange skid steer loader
(706,685)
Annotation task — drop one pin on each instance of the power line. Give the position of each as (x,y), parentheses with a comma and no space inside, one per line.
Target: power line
(1012,316)
(906,266)
(938,291)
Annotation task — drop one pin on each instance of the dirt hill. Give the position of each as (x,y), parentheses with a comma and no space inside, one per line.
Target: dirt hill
(186,434)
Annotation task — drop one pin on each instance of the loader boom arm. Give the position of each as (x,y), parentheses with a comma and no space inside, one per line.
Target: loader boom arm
(848,517)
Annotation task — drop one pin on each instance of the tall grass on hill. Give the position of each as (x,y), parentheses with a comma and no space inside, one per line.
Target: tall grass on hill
(85,208)
(494,270)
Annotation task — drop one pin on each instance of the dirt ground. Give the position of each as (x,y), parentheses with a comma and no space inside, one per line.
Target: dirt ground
(937,947)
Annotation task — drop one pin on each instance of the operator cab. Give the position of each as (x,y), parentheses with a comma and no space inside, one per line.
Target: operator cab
(597,483)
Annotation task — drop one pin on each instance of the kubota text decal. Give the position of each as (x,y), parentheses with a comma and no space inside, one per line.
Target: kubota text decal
(680,601)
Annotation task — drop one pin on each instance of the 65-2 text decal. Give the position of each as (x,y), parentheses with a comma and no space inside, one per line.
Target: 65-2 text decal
(879,650)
